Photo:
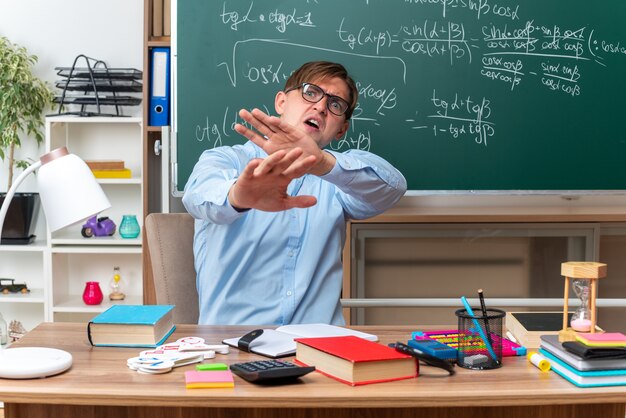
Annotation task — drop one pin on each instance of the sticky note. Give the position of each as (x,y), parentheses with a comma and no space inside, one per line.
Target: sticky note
(209,379)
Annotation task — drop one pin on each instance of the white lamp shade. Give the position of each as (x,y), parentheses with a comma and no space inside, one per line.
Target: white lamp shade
(69,192)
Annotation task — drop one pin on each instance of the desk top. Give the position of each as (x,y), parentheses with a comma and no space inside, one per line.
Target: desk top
(99,376)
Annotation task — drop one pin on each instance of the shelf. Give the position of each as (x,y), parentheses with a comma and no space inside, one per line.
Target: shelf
(93,119)
(101,245)
(37,246)
(75,304)
(158,41)
(132,180)
(35,296)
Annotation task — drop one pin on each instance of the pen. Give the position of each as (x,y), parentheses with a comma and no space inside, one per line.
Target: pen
(485,316)
(470,312)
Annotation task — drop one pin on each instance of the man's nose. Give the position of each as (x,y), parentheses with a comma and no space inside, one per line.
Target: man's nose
(322,105)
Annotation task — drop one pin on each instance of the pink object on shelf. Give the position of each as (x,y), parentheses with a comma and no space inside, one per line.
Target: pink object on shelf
(92,294)
(581,325)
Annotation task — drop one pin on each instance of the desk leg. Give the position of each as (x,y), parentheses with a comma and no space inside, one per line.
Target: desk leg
(548,411)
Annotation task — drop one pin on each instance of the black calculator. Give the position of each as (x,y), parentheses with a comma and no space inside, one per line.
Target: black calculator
(269,371)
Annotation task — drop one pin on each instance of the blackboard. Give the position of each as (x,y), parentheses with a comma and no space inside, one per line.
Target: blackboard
(458,94)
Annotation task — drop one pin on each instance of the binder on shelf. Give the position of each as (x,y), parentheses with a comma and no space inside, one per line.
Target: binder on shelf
(159,114)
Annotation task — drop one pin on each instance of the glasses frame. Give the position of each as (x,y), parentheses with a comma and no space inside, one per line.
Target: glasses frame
(328,101)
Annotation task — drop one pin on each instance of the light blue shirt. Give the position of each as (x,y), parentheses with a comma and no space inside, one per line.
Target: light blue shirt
(275,268)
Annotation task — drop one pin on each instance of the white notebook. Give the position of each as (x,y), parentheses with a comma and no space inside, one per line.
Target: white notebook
(280,342)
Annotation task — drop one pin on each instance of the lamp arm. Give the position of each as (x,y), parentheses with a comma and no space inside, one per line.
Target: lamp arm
(7,200)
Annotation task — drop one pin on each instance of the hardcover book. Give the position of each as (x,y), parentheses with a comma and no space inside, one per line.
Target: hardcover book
(354,360)
(586,379)
(132,326)
(280,342)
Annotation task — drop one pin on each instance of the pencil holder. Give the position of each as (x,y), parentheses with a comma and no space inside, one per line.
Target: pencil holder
(480,339)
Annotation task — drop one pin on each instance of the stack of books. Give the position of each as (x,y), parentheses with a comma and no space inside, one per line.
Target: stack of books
(109,169)
(585,366)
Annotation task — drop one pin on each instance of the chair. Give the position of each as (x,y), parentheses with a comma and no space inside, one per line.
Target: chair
(170,246)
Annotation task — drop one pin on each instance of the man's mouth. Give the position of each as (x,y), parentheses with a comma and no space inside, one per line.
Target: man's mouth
(313,123)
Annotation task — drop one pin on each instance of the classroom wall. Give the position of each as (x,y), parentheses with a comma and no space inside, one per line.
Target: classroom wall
(58,31)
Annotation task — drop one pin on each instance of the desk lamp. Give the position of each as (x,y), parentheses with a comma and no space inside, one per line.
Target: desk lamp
(584,276)
(69,193)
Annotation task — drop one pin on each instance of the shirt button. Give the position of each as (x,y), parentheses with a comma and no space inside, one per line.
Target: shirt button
(288,292)
(290,253)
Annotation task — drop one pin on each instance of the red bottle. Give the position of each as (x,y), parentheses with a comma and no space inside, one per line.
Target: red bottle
(92,294)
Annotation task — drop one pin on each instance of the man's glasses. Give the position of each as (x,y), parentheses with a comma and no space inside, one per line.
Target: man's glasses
(312,93)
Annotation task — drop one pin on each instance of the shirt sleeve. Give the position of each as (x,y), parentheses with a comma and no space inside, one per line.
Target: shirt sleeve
(368,185)
(206,192)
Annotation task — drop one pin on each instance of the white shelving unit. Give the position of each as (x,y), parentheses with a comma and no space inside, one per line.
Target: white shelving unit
(25,264)
(75,260)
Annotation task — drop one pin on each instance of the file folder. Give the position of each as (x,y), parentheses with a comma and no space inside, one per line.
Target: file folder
(159,114)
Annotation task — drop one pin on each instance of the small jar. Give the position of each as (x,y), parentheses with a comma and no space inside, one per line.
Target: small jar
(92,294)
(129,228)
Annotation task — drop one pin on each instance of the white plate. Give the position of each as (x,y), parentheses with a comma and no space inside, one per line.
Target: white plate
(32,362)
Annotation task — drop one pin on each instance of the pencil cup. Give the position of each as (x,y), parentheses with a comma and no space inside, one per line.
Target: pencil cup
(480,339)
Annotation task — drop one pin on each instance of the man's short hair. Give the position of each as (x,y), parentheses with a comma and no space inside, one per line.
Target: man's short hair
(316,71)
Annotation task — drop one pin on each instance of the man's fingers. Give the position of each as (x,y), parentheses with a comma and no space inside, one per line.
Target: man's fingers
(300,167)
(270,163)
(305,201)
(253,136)
(259,123)
(248,171)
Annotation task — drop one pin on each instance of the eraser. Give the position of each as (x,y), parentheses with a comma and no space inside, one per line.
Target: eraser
(475,360)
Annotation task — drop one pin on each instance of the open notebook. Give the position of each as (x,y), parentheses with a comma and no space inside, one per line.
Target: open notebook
(280,342)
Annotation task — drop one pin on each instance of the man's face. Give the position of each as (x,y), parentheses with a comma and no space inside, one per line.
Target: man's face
(314,118)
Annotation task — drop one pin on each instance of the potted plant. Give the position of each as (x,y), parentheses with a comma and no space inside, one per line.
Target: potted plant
(23,98)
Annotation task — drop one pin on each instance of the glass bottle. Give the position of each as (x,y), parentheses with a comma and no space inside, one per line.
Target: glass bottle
(116,285)
(129,228)
(92,294)
(581,319)
(4,331)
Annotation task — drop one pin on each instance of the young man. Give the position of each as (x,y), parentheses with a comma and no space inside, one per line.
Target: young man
(271,214)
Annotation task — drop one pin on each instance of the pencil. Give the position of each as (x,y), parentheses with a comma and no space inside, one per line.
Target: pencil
(485,316)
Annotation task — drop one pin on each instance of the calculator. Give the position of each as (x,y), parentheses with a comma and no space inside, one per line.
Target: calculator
(269,371)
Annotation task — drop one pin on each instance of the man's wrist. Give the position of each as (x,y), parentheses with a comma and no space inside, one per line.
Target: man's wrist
(233,202)
(325,165)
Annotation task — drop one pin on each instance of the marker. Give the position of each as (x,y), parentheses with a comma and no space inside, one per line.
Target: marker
(538,360)
(469,310)
(511,337)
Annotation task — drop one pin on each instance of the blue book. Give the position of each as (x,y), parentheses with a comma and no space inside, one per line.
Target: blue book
(587,379)
(132,326)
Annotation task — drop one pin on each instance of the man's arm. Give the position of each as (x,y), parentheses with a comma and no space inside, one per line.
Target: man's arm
(254,183)
(368,184)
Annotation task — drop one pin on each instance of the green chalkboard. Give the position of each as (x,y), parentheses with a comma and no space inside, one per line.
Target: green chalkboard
(457,94)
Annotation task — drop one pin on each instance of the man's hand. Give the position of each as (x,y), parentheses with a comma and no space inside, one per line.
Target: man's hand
(274,134)
(263,183)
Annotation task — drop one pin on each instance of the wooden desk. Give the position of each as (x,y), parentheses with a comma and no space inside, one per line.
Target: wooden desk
(100,385)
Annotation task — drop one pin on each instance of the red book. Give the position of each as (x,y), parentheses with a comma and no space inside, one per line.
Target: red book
(354,360)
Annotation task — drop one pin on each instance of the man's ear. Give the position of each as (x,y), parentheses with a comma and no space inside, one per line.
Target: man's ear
(343,130)
(279,102)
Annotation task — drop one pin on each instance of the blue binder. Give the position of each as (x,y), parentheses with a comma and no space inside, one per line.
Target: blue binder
(159,114)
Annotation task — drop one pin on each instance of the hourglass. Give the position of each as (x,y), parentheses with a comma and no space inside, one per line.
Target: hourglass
(583,276)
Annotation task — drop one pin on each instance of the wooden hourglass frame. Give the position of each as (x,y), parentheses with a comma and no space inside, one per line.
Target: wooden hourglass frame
(584,270)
